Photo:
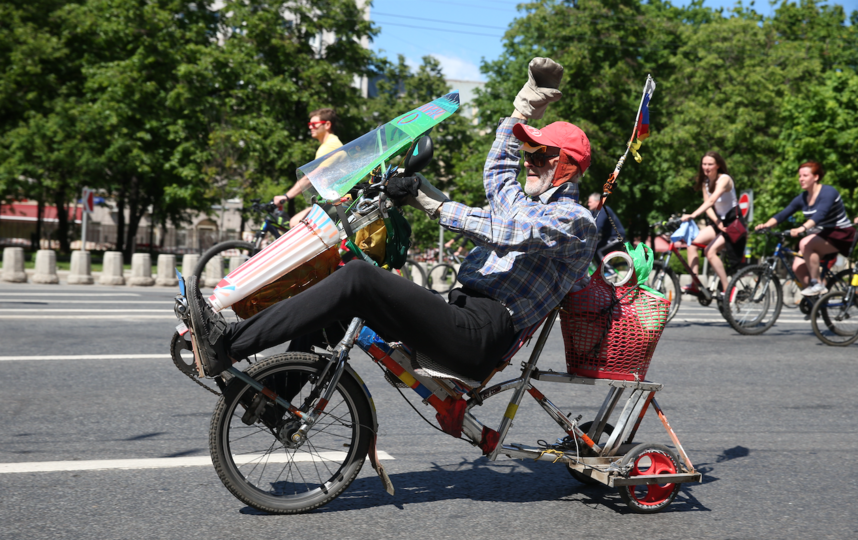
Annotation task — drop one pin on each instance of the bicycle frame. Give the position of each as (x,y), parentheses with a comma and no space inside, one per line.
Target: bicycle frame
(781,253)
(454,404)
(672,249)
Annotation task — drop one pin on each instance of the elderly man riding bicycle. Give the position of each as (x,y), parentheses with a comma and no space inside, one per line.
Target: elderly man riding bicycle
(532,245)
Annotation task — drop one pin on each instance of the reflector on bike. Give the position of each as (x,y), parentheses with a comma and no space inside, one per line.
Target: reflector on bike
(334,174)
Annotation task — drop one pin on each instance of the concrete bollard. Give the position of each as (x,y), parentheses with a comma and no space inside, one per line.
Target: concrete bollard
(166,271)
(81,269)
(235,261)
(189,261)
(111,271)
(13,265)
(141,270)
(214,271)
(46,267)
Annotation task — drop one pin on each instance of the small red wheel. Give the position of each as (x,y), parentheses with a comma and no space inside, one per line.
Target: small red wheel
(649,459)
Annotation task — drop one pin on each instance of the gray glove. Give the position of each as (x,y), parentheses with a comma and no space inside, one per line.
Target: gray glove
(428,198)
(543,78)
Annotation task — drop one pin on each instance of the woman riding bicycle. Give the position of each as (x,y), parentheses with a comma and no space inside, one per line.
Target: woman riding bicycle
(826,222)
(721,205)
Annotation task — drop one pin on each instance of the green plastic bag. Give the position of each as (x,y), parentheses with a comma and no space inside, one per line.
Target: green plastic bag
(642,258)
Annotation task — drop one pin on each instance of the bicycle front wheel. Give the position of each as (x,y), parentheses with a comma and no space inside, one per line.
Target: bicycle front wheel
(441,278)
(224,250)
(754,300)
(251,445)
(835,319)
(665,281)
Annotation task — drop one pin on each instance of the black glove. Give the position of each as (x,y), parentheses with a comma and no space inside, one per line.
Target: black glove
(401,187)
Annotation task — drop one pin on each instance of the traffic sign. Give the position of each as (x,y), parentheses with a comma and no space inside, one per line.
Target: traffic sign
(88,200)
(746,205)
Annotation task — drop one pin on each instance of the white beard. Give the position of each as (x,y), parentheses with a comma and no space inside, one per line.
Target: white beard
(535,188)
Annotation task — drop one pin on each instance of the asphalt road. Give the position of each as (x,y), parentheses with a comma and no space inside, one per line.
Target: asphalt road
(770,420)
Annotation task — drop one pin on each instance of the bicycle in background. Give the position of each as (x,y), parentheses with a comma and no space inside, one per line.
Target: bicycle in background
(838,312)
(274,224)
(664,279)
(442,276)
(756,295)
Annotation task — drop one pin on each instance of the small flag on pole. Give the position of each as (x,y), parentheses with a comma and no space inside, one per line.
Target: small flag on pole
(642,130)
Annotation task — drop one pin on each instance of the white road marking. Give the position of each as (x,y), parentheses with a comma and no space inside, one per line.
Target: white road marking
(118,302)
(53,295)
(95,317)
(162,463)
(40,310)
(86,357)
(721,319)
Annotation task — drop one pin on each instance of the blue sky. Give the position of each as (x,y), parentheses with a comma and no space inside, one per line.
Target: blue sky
(461,32)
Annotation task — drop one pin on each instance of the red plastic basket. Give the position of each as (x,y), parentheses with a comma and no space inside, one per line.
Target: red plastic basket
(611,332)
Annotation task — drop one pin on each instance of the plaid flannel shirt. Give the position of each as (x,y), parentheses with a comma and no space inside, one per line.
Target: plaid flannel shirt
(529,252)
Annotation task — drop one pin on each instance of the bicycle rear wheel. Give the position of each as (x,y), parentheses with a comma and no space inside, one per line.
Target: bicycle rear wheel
(244,250)
(441,278)
(754,300)
(665,281)
(251,445)
(835,318)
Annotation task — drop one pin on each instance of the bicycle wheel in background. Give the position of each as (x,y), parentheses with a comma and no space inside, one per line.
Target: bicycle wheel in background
(413,272)
(245,248)
(754,300)
(665,281)
(441,278)
(835,318)
(251,439)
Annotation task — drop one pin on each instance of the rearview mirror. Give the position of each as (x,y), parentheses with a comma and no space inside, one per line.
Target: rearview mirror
(417,159)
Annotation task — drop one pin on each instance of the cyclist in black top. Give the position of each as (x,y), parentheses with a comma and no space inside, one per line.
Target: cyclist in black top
(610,231)
(828,227)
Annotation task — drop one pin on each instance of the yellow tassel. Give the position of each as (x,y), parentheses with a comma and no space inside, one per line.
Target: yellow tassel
(634,147)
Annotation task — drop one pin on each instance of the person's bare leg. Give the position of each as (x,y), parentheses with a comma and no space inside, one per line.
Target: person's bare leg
(711,252)
(800,269)
(813,247)
(705,237)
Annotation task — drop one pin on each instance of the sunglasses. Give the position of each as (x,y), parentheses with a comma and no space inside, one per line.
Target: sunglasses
(539,156)
(314,125)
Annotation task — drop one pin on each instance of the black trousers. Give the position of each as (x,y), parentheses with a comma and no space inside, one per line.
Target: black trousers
(469,334)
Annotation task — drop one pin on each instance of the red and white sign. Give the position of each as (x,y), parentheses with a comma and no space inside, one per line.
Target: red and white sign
(746,204)
(88,200)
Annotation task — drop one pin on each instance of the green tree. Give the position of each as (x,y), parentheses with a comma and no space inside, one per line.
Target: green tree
(820,126)
(274,64)
(39,96)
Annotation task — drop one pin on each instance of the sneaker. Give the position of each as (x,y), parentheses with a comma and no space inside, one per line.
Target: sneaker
(814,290)
(691,289)
(209,329)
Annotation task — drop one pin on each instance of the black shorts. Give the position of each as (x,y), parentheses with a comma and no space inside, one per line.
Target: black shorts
(840,238)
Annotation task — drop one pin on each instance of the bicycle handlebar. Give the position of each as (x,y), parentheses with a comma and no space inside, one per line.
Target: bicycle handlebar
(769,232)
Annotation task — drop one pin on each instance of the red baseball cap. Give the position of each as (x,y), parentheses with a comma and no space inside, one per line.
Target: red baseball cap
(567,137)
